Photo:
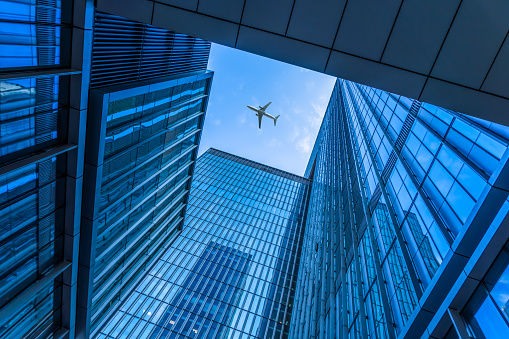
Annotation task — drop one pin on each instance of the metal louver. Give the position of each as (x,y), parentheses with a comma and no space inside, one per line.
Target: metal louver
(127,51)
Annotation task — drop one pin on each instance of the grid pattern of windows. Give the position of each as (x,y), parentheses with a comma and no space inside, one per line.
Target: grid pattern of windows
(127,51)
(150,146)
(30,33)
(233,270)
(33,123)
(30,234)
(395,182)
(31,116)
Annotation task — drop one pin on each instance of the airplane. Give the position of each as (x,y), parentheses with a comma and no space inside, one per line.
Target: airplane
(260,112)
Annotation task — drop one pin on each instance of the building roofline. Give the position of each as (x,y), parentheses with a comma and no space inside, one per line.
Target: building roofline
(258,165)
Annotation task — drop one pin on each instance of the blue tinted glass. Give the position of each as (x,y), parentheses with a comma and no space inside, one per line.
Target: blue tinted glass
(466,129)
(460,202)
(444,116)
(439,126)
(490,321)
(413,143)
(483,159)
(459,141)
(439,239)
(424,157)
(450,160)
(491,145)
(431,142)
(472,181)
(442,179)
(500,292)
(419,130)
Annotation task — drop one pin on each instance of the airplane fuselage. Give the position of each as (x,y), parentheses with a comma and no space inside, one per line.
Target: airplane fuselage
(259,111)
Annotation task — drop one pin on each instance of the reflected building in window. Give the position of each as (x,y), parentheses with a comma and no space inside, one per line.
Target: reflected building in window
(210,293)
(399,228)
(406,200)
(233,270)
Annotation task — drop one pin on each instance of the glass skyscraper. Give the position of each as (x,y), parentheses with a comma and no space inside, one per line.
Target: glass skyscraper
(138,174)
(232,272)
(405,201)
(40,184)
(148,97)
(402,233)
(100,119)
(398,229)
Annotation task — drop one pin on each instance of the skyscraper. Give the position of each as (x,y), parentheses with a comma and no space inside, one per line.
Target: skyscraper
(138,174)
(233,270)
(146,115)
(148,93)
(42,120)
(217,267)
(405,235)
(406,201)
(100,120)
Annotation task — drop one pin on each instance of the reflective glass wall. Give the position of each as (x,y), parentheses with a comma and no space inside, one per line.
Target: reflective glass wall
(139,176)
(148,94)
(35,167)
(487,311)
(401,189)
(32,114)
(233,270)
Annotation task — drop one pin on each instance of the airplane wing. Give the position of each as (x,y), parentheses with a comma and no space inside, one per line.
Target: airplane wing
(265,107)
(259,121)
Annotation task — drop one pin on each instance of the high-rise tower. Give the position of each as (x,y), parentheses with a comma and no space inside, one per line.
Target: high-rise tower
(70,251)
(42,126)
(233,270)
(407,222)
(148,97)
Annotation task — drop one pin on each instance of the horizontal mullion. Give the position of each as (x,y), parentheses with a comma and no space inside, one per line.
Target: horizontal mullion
(24,297)
(160,240)
(131,244)
(49,153)
(121,237)
(173,144)
(38,73)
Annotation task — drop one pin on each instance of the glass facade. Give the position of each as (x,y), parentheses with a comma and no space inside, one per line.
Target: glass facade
(147,149)
(399,228)
(142,170)
(129,51)
(487,311)
(33,166)
(232,271)
(31,112)
(31,33)
(31,235)
(396,187)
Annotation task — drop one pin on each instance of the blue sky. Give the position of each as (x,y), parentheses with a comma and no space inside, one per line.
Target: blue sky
(299,95)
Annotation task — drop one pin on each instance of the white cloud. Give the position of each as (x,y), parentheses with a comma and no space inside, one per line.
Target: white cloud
(304,144)
(319,107)
(216,122)
(295,133)
(242,119)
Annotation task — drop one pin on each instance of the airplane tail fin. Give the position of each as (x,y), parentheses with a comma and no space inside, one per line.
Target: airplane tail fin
(275,119)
